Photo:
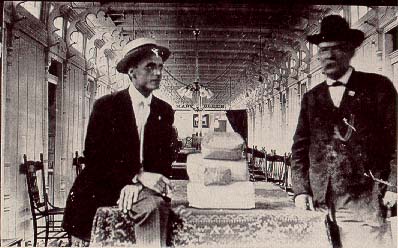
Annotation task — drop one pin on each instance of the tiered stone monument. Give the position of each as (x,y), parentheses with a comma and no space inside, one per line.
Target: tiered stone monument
(219,177)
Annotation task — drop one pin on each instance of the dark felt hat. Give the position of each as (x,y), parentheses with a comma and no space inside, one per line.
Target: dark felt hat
(135,50)
(336,28)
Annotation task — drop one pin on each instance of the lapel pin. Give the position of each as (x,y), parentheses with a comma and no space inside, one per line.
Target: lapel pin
(155,51)
(351,93)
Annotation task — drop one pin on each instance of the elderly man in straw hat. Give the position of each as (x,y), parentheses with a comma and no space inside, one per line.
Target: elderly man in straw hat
(344,150)
(128,151)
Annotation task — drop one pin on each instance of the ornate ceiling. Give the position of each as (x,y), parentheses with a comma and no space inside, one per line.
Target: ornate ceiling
(241,47)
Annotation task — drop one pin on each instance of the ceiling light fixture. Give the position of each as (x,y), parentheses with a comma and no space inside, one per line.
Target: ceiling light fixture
(196,91)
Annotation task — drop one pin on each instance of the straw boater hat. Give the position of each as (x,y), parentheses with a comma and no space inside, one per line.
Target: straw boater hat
(135,50)
(335,28)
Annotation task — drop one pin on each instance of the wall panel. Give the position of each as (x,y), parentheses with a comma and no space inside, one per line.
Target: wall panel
(23,130)
(59,140)
(71,130)
(11,142)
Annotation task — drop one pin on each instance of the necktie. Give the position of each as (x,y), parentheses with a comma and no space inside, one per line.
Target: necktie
(142,116)
(140,125)
(337,83)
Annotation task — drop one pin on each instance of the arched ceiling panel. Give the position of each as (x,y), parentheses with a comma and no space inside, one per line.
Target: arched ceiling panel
(240,47)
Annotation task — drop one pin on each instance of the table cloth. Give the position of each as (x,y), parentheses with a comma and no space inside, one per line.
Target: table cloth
(273,223)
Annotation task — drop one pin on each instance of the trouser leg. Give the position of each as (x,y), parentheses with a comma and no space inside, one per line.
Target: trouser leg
(151,214)
(354,231)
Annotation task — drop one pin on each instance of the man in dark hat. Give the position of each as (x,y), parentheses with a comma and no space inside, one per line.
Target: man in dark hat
(344,150)
(128,151)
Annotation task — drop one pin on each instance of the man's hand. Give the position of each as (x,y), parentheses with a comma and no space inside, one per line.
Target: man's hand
(181,210)
(304,201)
(155,182)
(128,196)
(390,199)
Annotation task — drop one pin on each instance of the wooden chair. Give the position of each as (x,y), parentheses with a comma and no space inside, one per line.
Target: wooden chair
(188,142)
(79,162)
(43,212)
(256,166)
(275,167)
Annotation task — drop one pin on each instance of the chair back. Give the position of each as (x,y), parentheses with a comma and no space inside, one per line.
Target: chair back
(188,142)
(34,171)
(45,225)
(275,166)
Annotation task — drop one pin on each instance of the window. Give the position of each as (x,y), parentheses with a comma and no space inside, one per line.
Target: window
(55,68)
(357,12)
(59,25)
(392,40)
(77,41)
(33,7)
(90,53)
(293,62)
(51,8)
(89,87)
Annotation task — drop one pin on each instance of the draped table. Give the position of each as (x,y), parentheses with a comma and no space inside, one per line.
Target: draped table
(273,223)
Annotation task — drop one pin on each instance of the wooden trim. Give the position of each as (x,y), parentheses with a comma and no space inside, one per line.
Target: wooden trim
(53,79)
(394,57)
(54,56)
(33,27)
(390,24)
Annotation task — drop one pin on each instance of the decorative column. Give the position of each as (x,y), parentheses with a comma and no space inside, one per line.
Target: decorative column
(309,80)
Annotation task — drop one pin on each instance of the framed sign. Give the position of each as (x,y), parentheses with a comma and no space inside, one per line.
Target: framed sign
(222,126)
(205,121)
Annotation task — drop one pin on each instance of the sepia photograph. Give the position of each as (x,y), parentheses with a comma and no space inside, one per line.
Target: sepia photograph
(199,124)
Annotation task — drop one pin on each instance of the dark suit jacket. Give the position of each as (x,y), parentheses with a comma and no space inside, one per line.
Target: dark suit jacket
(113,158)
(320,160)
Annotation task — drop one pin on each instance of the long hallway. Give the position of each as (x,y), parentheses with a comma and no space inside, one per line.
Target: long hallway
(233,66)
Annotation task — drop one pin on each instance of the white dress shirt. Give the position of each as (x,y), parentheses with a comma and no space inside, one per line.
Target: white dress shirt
(141,109)
(337,92)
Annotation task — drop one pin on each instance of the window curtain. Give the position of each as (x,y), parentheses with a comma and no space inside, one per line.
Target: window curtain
(238,121)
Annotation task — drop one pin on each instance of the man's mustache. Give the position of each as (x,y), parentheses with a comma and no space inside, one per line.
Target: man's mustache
(330,63)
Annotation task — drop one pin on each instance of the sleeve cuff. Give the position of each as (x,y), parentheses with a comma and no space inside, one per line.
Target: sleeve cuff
(135,179)
(392,189)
